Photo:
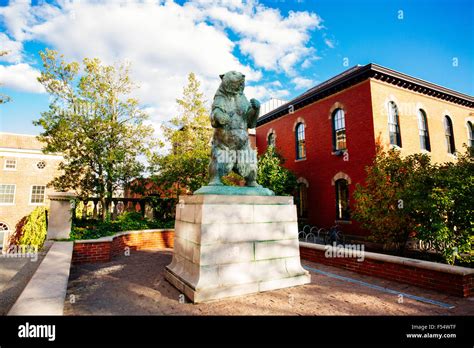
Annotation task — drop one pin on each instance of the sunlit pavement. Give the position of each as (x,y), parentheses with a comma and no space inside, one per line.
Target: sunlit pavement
(134,285)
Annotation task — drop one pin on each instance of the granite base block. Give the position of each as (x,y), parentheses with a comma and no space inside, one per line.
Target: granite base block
(229,246)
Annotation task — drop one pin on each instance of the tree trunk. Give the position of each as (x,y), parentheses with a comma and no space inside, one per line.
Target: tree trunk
(403,243)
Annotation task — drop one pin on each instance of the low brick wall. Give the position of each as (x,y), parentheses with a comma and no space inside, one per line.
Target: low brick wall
(104,249)
(453,280)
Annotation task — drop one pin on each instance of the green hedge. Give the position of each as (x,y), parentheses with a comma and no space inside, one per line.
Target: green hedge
(93,229)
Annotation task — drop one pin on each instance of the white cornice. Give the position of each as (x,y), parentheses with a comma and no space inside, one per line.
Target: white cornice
(24,153)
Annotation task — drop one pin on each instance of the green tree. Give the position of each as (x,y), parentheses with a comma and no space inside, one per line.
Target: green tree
(4,98)
(442,207)
(272,175)
(404,197)
(380,204)
(184,168)
(95,124)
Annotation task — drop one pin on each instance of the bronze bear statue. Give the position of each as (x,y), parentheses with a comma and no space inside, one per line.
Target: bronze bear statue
(231,116)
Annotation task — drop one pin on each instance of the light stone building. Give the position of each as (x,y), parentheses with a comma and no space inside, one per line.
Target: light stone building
(25,172)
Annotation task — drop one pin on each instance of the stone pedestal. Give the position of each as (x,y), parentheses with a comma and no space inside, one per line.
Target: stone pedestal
(60,215)
(235,245)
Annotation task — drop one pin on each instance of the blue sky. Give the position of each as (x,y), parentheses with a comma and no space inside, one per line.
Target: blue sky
(284,47)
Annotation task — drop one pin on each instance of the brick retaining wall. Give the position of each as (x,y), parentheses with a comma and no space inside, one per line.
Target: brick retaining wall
(453,280)
(103,249)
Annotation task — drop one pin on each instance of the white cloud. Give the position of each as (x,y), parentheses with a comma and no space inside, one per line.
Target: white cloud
(301,82)
(15,17)
(14,49)
(309,61)
(275,83)
(19,16)
(273,41)
(265,92)
(21,77)
(329,43)
(164,41)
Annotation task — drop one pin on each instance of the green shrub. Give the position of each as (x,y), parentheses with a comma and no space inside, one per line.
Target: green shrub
(33,232)
(128,221)
(273,175)
(409,196)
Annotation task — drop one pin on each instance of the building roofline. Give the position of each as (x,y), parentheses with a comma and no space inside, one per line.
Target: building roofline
(426,84)
(23,135)
(358,74)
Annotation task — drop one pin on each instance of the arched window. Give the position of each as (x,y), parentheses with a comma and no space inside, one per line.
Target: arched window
(300,141)
(470,130)
(394,125)
(302,200)
(271,139)
(423,131)
(449,134)
(338,130)
(342,200)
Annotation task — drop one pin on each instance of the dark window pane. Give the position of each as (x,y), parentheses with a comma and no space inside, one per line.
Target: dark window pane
(423,131)
(300,141)
(394,125)
(449,135)
(271,139)
(302,200)
(339,130)
(471,133)
(342,200)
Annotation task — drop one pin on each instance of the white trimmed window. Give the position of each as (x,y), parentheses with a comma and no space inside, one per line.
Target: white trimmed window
(394,125)
(9,164)
(470,129)
(7,194)
(423,130)
(37,194)
(300,141)
(449,135)
(338,130)
(342,200)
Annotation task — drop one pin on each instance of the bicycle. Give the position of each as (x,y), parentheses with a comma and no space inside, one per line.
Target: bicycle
(335,236)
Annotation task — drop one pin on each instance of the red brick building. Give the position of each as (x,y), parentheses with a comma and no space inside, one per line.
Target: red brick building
(328,134)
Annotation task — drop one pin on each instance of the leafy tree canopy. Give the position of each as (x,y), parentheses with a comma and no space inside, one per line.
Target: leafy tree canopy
(95,123)
(272,175)
(404,197)
(184,167)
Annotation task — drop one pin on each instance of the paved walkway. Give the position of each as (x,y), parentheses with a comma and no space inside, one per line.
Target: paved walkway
(134,285)
(15,272)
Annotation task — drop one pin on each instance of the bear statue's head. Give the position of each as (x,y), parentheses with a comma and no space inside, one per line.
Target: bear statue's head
(233,82)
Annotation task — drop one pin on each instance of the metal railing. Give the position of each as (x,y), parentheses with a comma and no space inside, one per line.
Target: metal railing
(316,235)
